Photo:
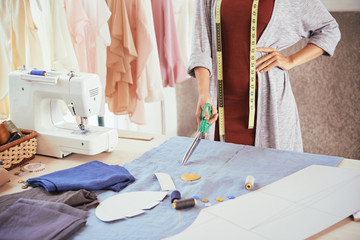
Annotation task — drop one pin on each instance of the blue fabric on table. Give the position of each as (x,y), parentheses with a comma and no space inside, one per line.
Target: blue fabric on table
(91,176)
(223,168)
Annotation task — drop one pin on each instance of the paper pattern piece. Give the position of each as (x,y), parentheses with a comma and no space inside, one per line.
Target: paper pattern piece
(297,206)
(129,204)
(166,183)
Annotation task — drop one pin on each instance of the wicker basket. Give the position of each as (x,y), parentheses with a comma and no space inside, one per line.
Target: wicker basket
(19,151)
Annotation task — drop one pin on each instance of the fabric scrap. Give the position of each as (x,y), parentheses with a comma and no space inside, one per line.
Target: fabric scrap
(35,219)
(91,176)
(81,199)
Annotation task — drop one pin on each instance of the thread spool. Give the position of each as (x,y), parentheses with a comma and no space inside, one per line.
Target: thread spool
(14,136)
(4,134)
(38,72)
(249,182)
(184,203)
(12,128)
(175,195)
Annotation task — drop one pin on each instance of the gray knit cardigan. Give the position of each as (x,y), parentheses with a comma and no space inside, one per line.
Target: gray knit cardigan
(277,121)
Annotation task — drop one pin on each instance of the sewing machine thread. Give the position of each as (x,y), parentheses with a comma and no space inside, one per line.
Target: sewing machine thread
(38,72)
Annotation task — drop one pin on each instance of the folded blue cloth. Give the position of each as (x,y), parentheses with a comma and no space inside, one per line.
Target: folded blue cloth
(91,176)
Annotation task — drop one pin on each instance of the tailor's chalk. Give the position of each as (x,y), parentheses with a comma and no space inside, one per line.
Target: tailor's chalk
(184,203)
(38,72)
(175,195)
(249,182)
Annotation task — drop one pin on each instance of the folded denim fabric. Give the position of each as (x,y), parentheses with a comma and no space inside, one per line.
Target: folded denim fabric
(91,176)
(36,219)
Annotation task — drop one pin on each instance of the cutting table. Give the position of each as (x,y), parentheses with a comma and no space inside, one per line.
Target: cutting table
(133,147)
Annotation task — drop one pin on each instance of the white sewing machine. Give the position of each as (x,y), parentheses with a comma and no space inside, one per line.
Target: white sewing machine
(34,105)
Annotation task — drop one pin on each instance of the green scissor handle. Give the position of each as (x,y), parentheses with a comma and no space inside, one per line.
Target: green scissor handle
(204,123)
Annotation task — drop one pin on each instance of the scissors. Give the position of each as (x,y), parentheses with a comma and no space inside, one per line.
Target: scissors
(200,133)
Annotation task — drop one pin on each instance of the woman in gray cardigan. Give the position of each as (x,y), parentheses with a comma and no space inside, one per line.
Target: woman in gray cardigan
(277,121)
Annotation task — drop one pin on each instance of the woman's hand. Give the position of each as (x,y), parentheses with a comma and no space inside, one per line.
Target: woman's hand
(274,58)
(200,106)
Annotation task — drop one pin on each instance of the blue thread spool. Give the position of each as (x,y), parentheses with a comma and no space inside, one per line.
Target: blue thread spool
(38,72)
(175,195)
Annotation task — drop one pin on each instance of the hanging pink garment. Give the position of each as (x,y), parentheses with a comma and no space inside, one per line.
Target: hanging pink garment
(173,69)
(141,35)
(88,27)
(126,86)
(78,24)
(120,54)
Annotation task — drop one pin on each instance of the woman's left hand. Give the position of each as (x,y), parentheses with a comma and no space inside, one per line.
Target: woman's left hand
(274,58)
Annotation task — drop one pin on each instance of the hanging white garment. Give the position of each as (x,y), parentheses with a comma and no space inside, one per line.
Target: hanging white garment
(19,43)
(5,56)
(58,51)
(183,13)
(103,40)
(152,71)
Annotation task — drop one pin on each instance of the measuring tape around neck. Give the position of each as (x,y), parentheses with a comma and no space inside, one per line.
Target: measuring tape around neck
(253,36)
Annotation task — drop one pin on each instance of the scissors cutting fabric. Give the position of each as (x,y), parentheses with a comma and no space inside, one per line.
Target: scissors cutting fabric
(200,133)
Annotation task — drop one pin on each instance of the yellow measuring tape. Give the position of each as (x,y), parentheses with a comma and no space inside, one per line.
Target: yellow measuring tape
(220,72)
(253,35)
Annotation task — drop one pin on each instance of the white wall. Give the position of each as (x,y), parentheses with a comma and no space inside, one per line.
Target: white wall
(342,5)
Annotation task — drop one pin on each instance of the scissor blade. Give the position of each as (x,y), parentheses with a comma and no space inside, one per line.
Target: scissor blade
(193,146)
